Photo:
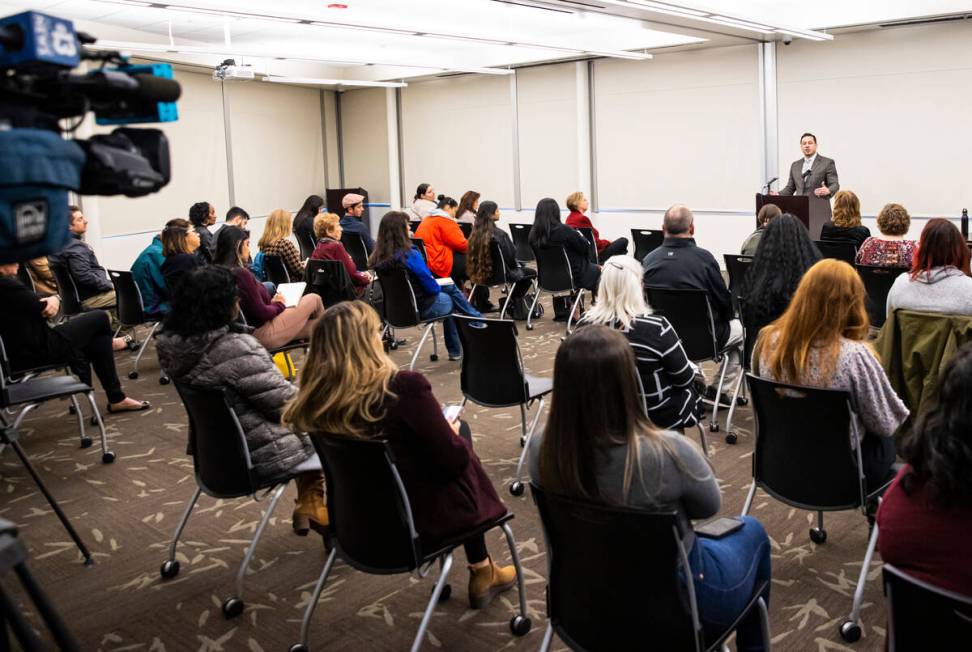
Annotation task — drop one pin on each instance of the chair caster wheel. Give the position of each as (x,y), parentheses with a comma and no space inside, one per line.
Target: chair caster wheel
(232,608)
(713,427)
(107,458)
(529,327)
(522,441)
(446,593)
(818,535)
(163,380)
(520,625)
(169,569)
(94,420)
(71,409)
(298,647)
(86,442)
(850,631)
(731,438)
(393,346)
(434,357)
(516,488)
(133,375)
(742,400)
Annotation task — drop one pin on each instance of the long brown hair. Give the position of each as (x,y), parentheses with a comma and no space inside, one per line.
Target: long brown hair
(827,305)
(175,237)
(941,245)
(393,242)
(466,202)
(479,265)
(344,384)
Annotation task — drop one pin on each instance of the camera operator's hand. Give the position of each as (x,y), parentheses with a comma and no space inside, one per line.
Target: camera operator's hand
(51,306)
(279,298)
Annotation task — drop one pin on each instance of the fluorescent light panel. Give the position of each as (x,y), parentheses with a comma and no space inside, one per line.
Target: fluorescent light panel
(333,82)
(718,19)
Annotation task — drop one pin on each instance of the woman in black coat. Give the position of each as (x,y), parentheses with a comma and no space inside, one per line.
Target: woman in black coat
(549,231)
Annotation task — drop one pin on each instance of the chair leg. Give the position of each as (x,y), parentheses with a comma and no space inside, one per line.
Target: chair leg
(509,295)
(23,413)
(141,349)
(418,347)
(516,487)
(749,499)
(107,456)
(547,638)
(523,426)
(85,440)
(764,622)
(703,440)
(435,343)
(573,308)
(740,382)
(855,613)
(312,604)
(440,583)
(533,306)
(170,567)
(231,611)
(511,542)
(714,423)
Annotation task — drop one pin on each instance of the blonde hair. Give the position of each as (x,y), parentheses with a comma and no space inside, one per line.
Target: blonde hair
(276,228)
(344,384)
(620,294)
(573,199)
(323,223)
(847,209)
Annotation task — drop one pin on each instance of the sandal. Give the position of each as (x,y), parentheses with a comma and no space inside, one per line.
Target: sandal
(142,405)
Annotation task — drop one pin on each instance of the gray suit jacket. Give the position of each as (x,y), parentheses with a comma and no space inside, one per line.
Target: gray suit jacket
(823,171)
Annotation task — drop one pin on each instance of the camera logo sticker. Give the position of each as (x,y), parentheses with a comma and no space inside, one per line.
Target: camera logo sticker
(31,220)
(54,38)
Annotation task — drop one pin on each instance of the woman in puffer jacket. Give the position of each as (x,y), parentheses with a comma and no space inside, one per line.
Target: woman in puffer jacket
(202,345)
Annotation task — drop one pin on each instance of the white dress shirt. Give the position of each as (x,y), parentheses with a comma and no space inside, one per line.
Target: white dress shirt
(808,163)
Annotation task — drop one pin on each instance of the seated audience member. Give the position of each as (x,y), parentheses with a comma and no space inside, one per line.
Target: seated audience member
(448,489)
(767,213)
(327,228)
(237,217)
(784,255)
(40,272)
(845,226)
(468,205)
(394,250)
(925,518)
(598,446)
(666,373)
(202,215)
(147,274)
(275,241)
(351,222)
(91,279)
(274,323)
(820,341)
(180,242)
(83,342)
(304,220)
(939,279)
(577,204)
(890,249)
(423,203)
(549,231)
(479,265)
(680,264)
(443,238)
(201,344)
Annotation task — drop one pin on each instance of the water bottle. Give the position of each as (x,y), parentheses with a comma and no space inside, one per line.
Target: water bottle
(965,223)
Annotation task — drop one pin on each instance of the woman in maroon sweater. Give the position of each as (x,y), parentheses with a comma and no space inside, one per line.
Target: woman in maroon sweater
(925,518)
(275,324)
(327,228)
(447,487)
(577,203)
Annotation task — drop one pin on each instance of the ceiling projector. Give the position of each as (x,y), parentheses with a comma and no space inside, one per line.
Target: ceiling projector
(229,71)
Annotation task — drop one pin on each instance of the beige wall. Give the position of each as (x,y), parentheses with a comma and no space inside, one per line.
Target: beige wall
(364,123)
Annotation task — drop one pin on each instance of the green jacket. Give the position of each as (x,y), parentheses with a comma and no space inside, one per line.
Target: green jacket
(914,347)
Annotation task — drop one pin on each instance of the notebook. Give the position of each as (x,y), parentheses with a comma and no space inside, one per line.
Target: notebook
(445,281)
(292,292)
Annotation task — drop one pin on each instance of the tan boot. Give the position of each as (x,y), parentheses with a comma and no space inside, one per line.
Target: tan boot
(487,582)
(311,512)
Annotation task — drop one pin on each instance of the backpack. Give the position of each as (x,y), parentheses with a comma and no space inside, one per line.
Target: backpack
(257,267)
(518,308)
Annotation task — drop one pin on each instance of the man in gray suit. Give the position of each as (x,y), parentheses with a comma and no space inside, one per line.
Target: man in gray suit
(813,175)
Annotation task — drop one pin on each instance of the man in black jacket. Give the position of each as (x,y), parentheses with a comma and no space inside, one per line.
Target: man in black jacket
(91,279)
(680,264)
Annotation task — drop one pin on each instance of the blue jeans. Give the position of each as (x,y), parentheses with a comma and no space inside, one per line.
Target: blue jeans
(270,287)
(449,300)
(725,572)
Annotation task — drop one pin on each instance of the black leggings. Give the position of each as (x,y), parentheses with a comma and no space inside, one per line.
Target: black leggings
(90,337)
(617,248)
(475,547)
(877,458)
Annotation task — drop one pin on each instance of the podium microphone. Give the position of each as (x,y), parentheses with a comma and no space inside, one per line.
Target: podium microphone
(770,183)
(806,183)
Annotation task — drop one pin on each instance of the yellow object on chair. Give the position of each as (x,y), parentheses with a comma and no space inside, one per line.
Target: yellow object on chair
(285,364)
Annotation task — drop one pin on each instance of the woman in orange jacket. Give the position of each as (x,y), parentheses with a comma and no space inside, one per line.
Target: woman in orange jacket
(443,239)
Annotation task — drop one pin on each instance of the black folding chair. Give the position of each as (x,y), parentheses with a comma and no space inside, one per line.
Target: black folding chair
(845,251)
(616,576)
(588,234)
(374,532)
(413,225)
(555,278)
(222,467)
(419,244)
(329,279)
(737,266)
(356,248)
(67,291)
(131,314)
(466,229)
(877,284)
(688,311)
(803,457)
(401,309)
(492,375)
(920,613)
(646,241)
(499,277)
(275,269)
(521,240)
(306,245)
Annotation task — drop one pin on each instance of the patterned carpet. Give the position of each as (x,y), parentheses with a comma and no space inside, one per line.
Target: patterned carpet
(126,513)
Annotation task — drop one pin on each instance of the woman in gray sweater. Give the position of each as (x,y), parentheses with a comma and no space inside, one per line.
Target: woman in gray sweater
(599,446)
(939,279)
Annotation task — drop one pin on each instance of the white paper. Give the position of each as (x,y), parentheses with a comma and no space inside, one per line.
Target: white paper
(292,292)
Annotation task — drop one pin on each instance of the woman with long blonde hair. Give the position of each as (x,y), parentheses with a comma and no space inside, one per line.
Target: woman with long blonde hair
(349,387)
(275,241)
(820,342)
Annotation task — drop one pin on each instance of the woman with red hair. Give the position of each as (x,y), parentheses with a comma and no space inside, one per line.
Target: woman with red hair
(939,279)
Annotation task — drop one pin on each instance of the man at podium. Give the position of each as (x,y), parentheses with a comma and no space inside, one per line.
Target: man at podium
(813,175)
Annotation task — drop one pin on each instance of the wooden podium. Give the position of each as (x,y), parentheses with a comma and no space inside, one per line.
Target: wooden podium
(812,211)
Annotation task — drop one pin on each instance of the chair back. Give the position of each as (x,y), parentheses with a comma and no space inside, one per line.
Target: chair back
(401,307)
(218,445)
(690,314)
(466,229)
(877,284)
(588,234)
(128,298)
(367,504)
(67,291)
(803,455)
(919,613)
(24,275)
(275,269)
(521,240)
(646,241)
(613,576)
(845,251)
(419,244)
(305,243)
(553,269)
(491,371)
(737,266)
(413,225)
(498,261)
(356,248)
(330,280)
